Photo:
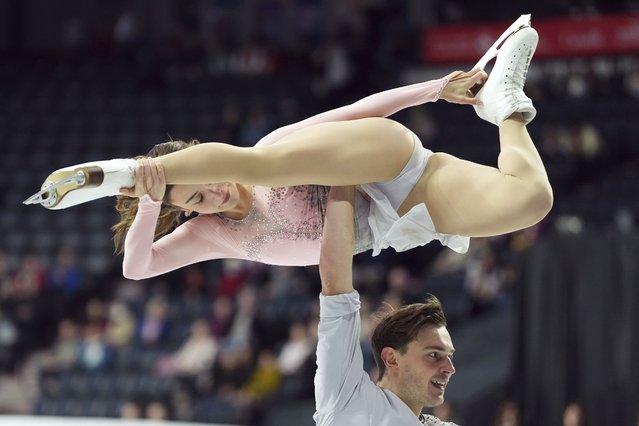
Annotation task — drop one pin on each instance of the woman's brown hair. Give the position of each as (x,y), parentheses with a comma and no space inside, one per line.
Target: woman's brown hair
(127,207)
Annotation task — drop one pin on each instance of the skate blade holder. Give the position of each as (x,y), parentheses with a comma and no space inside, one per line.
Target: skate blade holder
(60,182)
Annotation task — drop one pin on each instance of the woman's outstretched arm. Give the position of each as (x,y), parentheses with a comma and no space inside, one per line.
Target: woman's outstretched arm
(452,88)
(189,243)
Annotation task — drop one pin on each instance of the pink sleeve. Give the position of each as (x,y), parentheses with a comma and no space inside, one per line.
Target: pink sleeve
(382,104)
(185,245)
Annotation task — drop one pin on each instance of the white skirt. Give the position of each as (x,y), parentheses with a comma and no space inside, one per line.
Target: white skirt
(378,226)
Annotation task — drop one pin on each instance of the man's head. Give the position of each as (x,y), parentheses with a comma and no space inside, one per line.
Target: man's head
(413,352)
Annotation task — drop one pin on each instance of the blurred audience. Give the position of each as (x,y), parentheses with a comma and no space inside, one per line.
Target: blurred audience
(130,410)
(65,350)
(8,339)
(5,276)
(95,353)
(65,276)
(153,327)
(221,317)
(508,414)
(28,280)
(194,356)
(573,415)
(486,280)
(295,350)
(157,411)
(121,325)
(243,327)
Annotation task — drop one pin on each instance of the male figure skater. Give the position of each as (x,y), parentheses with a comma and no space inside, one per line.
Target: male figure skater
(412,347)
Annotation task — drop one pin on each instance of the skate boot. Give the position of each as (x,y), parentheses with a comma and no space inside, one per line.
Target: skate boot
(503,93)
(85,182)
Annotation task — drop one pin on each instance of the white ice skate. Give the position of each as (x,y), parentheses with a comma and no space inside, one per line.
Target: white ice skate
(85,182)
(503,93)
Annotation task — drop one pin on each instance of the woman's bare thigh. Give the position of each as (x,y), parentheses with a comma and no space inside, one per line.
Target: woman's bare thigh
(470,199)
(340,153)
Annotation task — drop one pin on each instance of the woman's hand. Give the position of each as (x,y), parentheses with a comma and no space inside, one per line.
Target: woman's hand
(149,179)
(463,86)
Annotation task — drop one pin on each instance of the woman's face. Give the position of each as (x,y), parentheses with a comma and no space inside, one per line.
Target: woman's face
(205,199)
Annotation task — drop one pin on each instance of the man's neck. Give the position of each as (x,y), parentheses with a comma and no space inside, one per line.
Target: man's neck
(387,384)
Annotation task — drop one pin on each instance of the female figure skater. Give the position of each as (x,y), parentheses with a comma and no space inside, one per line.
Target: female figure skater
(266,203)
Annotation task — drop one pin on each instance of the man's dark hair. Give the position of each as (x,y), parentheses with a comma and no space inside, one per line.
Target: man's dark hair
(397,328)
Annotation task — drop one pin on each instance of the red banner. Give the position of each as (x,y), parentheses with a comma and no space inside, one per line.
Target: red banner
(603,35)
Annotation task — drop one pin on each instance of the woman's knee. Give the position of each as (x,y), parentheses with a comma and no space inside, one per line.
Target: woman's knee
(386,130)
(540,200)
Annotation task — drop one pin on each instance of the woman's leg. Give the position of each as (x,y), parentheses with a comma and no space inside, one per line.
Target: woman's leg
(469,199)
(337,153)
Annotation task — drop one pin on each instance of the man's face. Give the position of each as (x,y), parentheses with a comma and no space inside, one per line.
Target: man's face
(426,367)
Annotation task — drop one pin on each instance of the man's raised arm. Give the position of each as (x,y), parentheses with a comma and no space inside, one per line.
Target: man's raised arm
(338,239)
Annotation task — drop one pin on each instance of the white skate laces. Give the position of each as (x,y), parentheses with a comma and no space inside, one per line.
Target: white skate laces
(85,182)
(503,93)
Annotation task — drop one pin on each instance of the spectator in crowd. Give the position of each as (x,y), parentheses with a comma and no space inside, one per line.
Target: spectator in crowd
(182,406)
(65,275)
(221,316)
(295,350)
(29,280)
(94,353)
(64,352)
(402,284)
(234,275)
(194,286)
(121,325)
(573,415)
(242,328)
(486,280)
(231,370)
(508,414)
(194,356)
(8,339)
(153,327)
(63,284)
(96,313)
(5,276)
(130,410)
(61,356)
(262,384)
(156,410)
(264,379)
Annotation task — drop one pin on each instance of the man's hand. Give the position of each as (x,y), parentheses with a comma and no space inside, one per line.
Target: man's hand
(463,86)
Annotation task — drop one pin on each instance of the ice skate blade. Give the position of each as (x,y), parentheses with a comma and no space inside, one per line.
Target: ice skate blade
(61,182)
(522,22)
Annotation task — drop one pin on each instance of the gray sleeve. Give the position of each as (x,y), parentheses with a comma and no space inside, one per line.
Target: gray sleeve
(340,365)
